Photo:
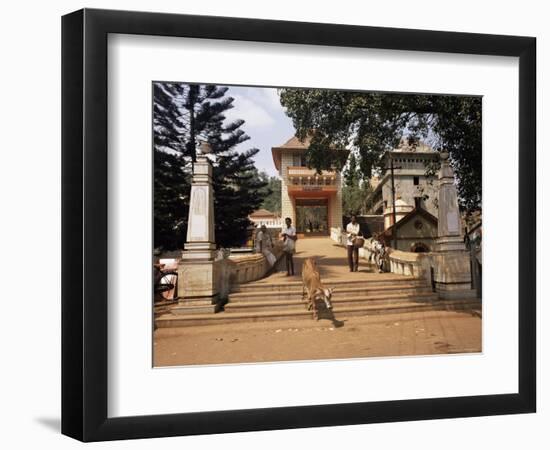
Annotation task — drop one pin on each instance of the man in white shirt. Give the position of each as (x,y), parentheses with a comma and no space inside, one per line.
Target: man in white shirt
(352,231)
(289,236)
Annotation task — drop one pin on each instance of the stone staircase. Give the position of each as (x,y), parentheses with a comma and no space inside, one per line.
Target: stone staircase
(268,301)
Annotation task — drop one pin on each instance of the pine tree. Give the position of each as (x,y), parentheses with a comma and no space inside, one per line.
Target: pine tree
(238,192)
(184,114)
(171,200)
(351,177)
(172,170)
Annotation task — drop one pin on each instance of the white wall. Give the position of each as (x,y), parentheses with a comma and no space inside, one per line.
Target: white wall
(30,189)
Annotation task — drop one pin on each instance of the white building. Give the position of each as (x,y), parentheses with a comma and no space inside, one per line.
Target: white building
(264,217)
(313,201)
(413,188)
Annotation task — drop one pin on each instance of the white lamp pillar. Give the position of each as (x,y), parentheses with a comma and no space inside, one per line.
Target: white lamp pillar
(451,261)
(198,271)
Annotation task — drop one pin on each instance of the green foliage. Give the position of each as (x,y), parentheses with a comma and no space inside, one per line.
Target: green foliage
(272,193)
(184,114)
(238,192)
(351,175)
(373,123)
(352,200)
(355,190)
(171,199)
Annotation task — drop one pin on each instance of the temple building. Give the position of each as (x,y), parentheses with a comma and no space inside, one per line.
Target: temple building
(416,232)
(414,190)
(264,217)
(313,201)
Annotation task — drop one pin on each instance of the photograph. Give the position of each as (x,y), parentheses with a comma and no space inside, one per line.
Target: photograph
(301,224)
(259,225)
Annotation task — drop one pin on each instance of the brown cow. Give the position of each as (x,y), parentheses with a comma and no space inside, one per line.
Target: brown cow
(313,288)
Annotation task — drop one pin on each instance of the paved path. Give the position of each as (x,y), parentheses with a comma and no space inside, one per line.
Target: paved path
(331,258)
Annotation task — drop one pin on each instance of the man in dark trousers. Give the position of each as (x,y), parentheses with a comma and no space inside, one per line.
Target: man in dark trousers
(352,231)
(289,247)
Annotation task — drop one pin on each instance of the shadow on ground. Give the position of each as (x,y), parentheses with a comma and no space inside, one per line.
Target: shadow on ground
(328,314)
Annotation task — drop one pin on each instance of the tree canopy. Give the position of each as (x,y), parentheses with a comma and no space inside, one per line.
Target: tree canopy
(372,123)
(355,189)
(272,193)
(184,114)
(351,174)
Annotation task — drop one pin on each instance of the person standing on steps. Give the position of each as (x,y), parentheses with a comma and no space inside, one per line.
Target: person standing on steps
(264,245)
(289,247)
(352,230)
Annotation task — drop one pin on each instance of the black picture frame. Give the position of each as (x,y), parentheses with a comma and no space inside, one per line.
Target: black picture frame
(84,224)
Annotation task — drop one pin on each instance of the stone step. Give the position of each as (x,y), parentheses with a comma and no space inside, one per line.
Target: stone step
(340,304)
(170,320)
(337,303)
(264,305)
(297,285)
(410,306)
(339,292)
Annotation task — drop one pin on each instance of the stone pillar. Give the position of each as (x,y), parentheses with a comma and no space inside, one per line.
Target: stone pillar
(287,205)
(449,229)
(452,271)
(199,271)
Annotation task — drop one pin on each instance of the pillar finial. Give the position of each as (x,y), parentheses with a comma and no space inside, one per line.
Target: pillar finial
(205,148)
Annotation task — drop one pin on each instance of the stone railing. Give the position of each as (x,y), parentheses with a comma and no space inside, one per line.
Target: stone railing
(304,179)
(409,263)
(365,252)
(298,171)
(239,269)
(403,263)
(338,235)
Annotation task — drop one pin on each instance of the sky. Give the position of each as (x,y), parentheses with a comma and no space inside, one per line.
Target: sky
(265,122)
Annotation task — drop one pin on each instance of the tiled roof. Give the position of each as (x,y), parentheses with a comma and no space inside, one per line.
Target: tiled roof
(407,217)
(262,213)
(294,142)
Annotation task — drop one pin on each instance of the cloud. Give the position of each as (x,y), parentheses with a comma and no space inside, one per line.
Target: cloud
(271,98)
(265,121)
(251,110)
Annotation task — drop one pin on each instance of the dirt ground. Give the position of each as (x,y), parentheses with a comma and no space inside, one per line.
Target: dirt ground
(420,333)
